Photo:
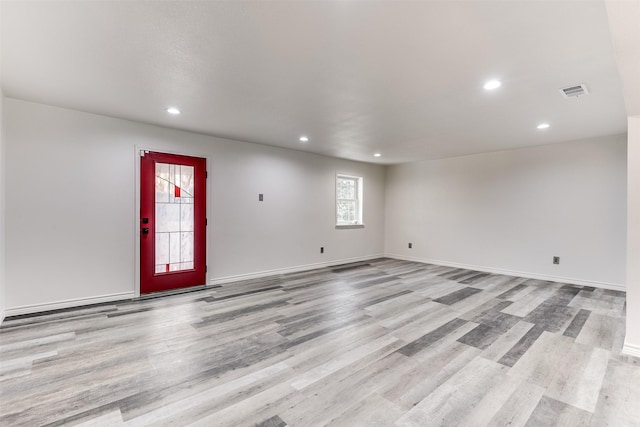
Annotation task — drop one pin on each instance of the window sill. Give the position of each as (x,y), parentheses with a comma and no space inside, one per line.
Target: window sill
(347,226)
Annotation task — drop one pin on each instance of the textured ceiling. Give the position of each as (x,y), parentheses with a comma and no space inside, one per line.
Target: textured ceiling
(401,78)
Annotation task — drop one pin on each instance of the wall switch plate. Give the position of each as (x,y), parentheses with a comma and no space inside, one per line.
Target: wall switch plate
(556,260)
(410,245)
(260,197)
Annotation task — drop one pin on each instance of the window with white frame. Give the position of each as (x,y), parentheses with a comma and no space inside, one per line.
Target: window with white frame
(348,200)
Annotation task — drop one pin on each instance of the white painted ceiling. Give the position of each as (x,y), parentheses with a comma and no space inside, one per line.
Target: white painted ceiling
(401,78)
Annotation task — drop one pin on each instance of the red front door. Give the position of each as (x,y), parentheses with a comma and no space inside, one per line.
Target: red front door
(172,222)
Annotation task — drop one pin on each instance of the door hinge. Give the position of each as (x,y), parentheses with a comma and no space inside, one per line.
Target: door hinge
(206,221)
(206,268)
(206,174)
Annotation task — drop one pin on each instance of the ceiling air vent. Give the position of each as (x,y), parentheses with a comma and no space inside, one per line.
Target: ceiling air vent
(574,91)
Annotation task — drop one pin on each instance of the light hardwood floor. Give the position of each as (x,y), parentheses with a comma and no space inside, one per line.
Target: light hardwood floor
(379,343)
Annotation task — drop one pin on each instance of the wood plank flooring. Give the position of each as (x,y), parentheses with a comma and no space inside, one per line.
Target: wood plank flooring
(378,343)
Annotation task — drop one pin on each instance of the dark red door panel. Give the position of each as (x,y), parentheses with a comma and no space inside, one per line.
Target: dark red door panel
(172,222)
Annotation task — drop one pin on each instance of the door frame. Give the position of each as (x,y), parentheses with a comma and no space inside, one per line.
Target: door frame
(186,151)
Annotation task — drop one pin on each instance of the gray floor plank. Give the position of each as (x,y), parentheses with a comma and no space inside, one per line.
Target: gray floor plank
(380,342)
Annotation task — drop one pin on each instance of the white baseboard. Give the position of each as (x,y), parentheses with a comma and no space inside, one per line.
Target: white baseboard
(631,349)
(579,282)
(78,302)
(296,269)
(36,308)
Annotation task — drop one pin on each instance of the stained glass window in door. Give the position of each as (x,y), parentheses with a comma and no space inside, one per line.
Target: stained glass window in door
(174,218)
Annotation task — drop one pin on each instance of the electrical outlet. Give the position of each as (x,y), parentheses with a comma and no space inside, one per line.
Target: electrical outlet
(321,249)
(410,245)
(260,197)
(556,260)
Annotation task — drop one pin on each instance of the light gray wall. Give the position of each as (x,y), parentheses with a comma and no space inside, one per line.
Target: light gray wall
(2,192)
(514,210)
(71,205)
(632,339)
(2,209)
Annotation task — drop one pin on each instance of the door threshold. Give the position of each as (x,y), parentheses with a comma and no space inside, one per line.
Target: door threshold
(169,292)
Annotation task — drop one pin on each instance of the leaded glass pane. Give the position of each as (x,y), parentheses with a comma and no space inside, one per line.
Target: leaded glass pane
(186,181)
(186,265)
(162,249)
(174,219)
(186,248)
(168,217)
(186,217)
(174,247)
(162,183)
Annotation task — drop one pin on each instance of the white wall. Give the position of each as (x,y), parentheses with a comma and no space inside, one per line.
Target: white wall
(2,209)
(71,220)
(2,191)
(632,339)
(625,33)
(514,210)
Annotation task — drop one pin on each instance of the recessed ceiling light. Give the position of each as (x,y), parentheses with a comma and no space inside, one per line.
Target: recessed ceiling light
(304,139)
(492,84)
(377,155)
(173,110)
(543,125)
